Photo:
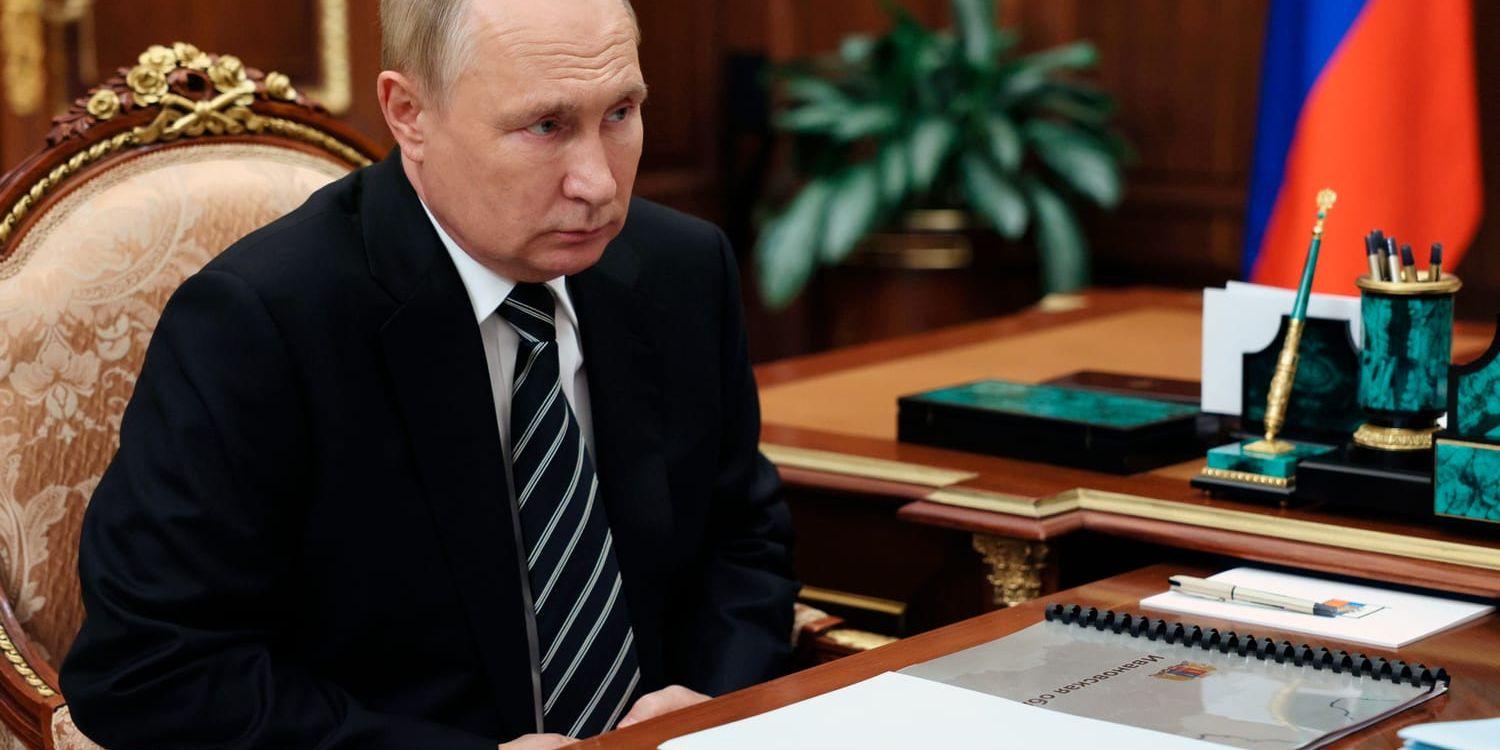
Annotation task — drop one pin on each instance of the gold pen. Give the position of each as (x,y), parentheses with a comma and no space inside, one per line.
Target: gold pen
(1228,592)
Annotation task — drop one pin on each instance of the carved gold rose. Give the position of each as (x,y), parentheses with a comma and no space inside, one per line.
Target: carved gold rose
(159,58)
(104,104)
(226,72)
(190,56)
(279,86)
(148,83)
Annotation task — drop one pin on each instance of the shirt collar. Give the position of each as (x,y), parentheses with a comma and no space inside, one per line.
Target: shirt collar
(488,289)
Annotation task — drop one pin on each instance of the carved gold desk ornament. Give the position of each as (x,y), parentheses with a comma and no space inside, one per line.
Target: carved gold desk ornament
(1267,467)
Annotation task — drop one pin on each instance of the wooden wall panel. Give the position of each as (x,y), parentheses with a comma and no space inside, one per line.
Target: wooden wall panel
(1185,74)
(1480,269)
(682,58)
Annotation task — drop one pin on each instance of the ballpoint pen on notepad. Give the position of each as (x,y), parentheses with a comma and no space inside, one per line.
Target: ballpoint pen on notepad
(1225,592)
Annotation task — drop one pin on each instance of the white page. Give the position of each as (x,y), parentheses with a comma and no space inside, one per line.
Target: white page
(1244,318)
(1481,734)
(900,712)
(1392,619)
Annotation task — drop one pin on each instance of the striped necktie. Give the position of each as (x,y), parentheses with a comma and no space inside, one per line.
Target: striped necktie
(587,648)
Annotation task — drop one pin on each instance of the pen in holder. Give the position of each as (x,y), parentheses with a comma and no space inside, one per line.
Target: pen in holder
(1403,367)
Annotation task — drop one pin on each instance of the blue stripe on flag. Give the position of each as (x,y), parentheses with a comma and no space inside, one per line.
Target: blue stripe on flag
(1301,35)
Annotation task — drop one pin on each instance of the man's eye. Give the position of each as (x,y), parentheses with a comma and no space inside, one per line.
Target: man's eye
(620,114)
(545,127)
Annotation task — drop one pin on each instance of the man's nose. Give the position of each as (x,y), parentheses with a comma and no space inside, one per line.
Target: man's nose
(589,178)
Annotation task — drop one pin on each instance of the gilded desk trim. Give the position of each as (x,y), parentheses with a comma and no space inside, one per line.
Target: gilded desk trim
(1011,505)
(874,604)
(863,467)
(1313,532)
(1015,567)
(1188,514)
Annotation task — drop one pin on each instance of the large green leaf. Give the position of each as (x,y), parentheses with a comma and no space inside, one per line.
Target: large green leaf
(931,142)
(1073,55)
(1082,162)
(1060,241)
(974,21)
(1073,101)
(813,118)
(895,173)
(788,247)
(852,210)
(1004,141)
(1029,74)
(994,196)
(866,121)
(857,49)
(812,89)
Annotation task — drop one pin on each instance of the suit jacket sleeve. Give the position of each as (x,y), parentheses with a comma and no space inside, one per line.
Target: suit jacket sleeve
(187,549)
(743,628)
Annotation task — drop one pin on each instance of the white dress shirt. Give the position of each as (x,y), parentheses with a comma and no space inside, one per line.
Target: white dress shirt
(487,290)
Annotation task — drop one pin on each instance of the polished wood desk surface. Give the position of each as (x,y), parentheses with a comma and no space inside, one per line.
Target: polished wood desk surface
(1467,652)
(830,423)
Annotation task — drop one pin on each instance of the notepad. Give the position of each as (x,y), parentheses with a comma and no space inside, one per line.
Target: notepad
(899,712)
(1369,615)
(1483,734)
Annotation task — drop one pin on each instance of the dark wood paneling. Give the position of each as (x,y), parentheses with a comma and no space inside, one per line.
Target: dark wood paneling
(1480,269)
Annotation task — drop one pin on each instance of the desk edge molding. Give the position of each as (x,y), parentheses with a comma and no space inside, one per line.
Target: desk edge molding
(1187,514)
(863,466)
(1011,505)
(1293,529)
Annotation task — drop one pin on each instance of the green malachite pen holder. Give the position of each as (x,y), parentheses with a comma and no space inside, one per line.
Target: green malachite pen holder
(1403,365)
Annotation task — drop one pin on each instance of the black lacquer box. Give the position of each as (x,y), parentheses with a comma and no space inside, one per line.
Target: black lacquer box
(1069,426)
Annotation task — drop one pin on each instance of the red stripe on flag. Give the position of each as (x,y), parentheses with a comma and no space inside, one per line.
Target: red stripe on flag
(1392,126)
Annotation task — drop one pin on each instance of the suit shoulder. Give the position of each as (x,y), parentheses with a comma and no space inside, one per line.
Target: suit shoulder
(652,225)
(301,247)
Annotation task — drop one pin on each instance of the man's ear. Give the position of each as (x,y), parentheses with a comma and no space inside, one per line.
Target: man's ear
(402,104)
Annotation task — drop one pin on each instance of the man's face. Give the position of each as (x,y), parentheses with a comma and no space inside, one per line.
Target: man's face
(531,163)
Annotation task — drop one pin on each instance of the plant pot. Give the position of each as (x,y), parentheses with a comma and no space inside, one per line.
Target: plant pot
(940,268)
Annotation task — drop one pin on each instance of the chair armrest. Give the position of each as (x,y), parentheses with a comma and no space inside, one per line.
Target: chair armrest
(820,637)
(28,684)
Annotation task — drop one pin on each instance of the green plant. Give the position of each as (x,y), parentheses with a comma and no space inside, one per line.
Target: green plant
(919,118)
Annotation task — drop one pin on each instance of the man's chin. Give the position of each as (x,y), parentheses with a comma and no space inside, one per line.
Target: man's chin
(569,259)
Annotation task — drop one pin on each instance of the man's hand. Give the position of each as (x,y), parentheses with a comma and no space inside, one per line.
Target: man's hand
(664,701)
(537,742)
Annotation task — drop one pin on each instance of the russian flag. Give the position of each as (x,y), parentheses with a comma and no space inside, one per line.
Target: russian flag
(1375,99)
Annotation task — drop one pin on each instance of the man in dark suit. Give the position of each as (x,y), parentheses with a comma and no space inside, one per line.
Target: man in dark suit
(461,451)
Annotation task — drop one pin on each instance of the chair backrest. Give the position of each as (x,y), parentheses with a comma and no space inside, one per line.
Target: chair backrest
(142,182)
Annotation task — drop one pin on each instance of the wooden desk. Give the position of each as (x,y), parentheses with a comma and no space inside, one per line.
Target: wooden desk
(830,425)
(1467,652)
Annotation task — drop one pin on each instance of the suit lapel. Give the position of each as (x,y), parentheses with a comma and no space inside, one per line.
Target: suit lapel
(616,324)
(441,385)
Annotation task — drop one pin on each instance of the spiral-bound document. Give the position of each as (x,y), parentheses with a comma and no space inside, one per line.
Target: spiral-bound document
(1085,678)
(1224,688)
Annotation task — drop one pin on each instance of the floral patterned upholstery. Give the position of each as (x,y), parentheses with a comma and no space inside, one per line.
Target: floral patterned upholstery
(80,295)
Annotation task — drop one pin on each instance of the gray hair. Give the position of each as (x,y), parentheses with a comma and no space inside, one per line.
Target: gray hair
(429,40)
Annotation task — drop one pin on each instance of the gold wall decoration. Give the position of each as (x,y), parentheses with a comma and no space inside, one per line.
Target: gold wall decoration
(24,76)
(337,91)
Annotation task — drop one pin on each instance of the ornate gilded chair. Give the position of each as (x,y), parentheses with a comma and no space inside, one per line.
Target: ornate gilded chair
(141,183)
